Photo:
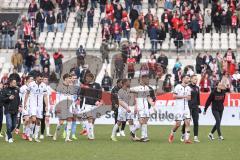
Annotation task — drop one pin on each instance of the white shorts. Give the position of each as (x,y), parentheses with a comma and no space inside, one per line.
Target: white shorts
(182,113)
(143,113)
(36,111)
(123,115)
(25,112)
(89,111)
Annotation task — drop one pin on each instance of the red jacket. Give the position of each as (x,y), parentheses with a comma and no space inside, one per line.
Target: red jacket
(205,85)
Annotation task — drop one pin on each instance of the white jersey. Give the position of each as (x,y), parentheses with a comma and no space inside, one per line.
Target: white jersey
(182,91)
(37,93)
(142,96)
(22,94)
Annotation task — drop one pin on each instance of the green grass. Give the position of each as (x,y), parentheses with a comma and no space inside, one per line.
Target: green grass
(102,148)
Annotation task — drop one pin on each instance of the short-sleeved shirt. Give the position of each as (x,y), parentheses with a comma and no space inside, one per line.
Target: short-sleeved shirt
(180,90)
(124,96)
(22,93)
(37,92)
(142,94)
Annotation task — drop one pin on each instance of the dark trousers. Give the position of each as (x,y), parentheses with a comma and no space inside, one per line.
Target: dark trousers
(1,118)
(208,29)
(115,119)
(218,117)
(19,120)
(11,120)
(195,116)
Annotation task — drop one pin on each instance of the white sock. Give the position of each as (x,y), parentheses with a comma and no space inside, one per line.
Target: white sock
(143,131)
(187,135)
(58,128)
(24,128)
(47,130)
(69,126)
(84,124)
(37,129)
(31,128)
(146,131)
(28,130)
(136,128)
(131,127)
(90,130)
(114,130)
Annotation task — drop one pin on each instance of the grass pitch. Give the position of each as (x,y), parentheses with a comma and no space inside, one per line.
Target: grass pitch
(104,149)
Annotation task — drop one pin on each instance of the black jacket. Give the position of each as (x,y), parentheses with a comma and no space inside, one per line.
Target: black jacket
(114,97)
(61,18)
(40,17)
(11,106)
(1,98)
(195,96)
(92,93)
(217,100)
(50,19)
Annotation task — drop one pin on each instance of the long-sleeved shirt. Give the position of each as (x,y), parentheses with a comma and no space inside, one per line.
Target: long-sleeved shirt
(91,92)
(195,96)
(216,99)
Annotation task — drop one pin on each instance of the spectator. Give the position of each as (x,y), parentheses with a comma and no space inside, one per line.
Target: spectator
(90,15)
(4,79)
(152,67)
(106,33)
(136,52)
(208,22)
(236,81)
(217,22)
(14,75)
(163,61)
(167,85)
(125,25)
(199,63)
(151,3)
(117,33)
(144,70)
(213,66)
(205,83)
(165,18)
(153,35)
(131,67)
(133,15)
(45,60)
(226,81)
(63,6)
(168,5)
(207,59)
(137,4)
(5,35)
(139,26)
(72,5)
(93,4)
(80,17)
(40,19)
(230,59)
(161,34)
(83,5)
(57,56)
(187,40)
(46,72)
(50,21)
(104,49)
(47,6)
(224,22)
(33,24)
(194,25)
(195,7)
(178,41)
(107,82)
(118,12)
(29,62)
(81,52)
(32,9)
(102,4)
(61,19)
(119,67)
(235,23)
(17,61)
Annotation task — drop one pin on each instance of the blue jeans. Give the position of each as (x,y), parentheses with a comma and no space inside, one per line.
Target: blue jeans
(11,121)
(90,24)
(94,3)
(41,27)
(5,41)
(50,28)
(61,27)
(102,8)
(126,34)
(154,43)
(128,4)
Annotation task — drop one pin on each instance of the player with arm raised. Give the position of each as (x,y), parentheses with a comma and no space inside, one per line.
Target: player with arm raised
(36,95)
(182,94)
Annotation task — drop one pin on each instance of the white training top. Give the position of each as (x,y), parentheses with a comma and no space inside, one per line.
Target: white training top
(182,91)
(37,93)
(142,93)
(22,94)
